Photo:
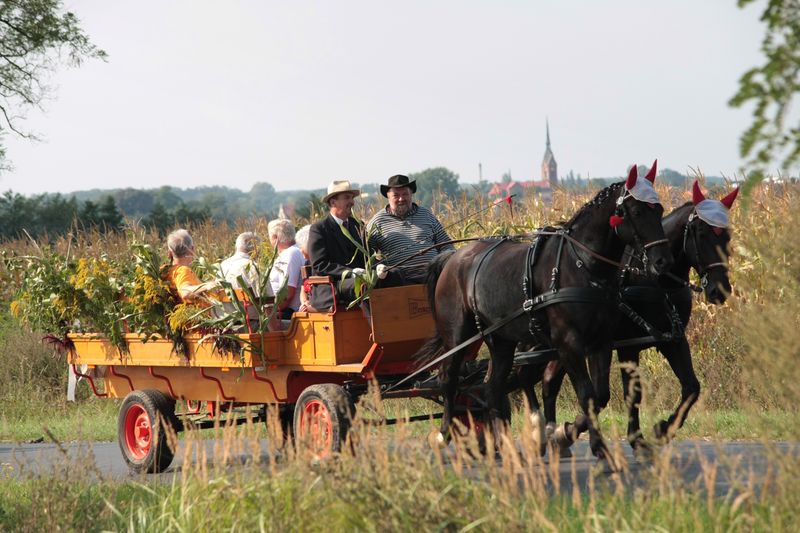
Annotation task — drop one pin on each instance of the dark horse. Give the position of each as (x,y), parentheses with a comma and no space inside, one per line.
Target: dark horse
(695,244)
(485,281)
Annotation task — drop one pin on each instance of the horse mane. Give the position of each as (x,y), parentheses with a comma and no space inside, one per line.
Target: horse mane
(598,200)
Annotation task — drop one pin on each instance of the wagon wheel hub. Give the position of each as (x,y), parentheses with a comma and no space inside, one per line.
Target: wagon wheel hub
(317,428)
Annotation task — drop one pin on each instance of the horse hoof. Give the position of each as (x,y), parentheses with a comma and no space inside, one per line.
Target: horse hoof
(437,440)
(643,452)
(562,440)
(606,466)
(539,433)
(661,432)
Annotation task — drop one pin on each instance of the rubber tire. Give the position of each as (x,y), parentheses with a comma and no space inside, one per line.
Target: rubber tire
(157,406)
(340,410)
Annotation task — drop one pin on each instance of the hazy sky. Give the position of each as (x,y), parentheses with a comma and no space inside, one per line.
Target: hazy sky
(299,93)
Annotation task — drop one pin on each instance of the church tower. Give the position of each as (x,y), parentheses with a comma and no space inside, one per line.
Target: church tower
(549,165)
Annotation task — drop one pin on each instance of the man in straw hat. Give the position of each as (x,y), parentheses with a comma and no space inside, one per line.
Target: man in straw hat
(332,253)
(406,232)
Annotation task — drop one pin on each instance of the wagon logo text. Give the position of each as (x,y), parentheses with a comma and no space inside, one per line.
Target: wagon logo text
(418,307)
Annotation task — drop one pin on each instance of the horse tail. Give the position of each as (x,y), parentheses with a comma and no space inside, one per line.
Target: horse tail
(433,346)
(434,271)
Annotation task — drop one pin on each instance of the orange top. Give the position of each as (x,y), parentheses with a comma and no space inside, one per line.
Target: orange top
(179,275)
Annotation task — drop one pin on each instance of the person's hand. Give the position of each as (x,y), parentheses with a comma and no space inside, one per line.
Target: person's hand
(358,272)
(382,271)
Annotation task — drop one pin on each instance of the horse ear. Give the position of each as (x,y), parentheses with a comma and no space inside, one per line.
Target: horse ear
(728,200)
(651,175)
(632,175)
(697,194)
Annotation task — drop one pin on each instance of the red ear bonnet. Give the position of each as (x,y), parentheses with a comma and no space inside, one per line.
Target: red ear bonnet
(651,175)
(728,200)
(632,175)
(697,194)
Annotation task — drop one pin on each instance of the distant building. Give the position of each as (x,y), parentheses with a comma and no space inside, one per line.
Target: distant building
(544,186)
(549,165)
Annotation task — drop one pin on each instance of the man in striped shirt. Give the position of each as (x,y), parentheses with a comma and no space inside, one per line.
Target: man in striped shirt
(404,229)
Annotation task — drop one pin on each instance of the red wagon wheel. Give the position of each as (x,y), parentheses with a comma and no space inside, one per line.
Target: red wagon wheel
(322,418)
(145,419)
(138,432)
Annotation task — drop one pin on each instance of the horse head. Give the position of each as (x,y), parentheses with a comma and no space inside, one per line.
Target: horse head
(637,220)
(706,242)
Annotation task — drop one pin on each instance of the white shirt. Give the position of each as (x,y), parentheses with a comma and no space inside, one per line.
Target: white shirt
(237,265)
(288,266)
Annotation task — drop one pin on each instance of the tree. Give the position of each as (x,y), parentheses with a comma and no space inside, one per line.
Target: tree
(159,219)
(772,88)
(89,214)
(262,197)
(439,181)
(108,216)
(36,37)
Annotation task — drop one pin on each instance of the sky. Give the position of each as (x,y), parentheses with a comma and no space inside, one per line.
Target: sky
(200,93)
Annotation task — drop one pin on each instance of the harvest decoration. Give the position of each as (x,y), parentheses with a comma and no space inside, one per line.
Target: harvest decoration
(111,297)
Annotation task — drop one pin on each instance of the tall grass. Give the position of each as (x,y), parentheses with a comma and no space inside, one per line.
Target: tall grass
(399,484)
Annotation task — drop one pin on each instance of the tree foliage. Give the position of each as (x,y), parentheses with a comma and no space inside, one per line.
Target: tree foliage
(435,184)
(771,87)
(36,38)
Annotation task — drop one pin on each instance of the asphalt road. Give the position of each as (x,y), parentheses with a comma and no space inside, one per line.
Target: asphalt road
(736,464)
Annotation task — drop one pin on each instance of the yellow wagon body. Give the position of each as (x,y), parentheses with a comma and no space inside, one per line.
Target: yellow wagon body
(275,366)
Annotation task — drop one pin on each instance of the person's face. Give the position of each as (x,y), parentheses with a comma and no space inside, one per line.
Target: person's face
(342,205)
(399,200)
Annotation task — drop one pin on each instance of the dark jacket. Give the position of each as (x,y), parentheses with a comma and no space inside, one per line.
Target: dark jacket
(331,254)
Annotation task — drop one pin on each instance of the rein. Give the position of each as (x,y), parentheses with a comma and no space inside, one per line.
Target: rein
(530,235)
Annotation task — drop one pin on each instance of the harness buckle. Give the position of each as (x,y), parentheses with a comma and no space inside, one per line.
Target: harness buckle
(527,305)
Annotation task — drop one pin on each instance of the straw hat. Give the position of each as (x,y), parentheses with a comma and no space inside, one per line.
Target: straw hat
(339,186)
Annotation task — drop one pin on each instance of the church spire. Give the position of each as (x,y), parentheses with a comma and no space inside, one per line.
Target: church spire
(549,165)
(547,125)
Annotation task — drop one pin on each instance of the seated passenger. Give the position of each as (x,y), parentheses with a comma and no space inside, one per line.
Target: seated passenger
(301,239)
(404,229)
(287,266)
(332,253)
(182,279)
(239,264)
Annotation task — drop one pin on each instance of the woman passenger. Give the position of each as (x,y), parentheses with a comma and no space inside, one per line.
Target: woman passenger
(182,279)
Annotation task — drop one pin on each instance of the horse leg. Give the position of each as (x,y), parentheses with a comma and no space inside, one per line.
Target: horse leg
(573,361)
(499,410)
(454,332)
(449,391)
(632,388)
(679,356)
(529,375)
(560,437)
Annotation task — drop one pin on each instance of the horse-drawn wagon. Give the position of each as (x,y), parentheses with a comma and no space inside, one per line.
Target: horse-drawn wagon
(313,372)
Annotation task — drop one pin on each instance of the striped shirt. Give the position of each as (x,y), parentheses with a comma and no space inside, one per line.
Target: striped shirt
(400,238)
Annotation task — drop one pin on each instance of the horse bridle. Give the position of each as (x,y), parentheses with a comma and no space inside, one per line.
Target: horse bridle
(702,270)
(623,209)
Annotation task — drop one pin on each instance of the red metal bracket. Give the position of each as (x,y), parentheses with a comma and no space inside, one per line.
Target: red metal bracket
(117,374)
(91,382)
(372,360)
(193,410)
(219,385)
(165,378)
